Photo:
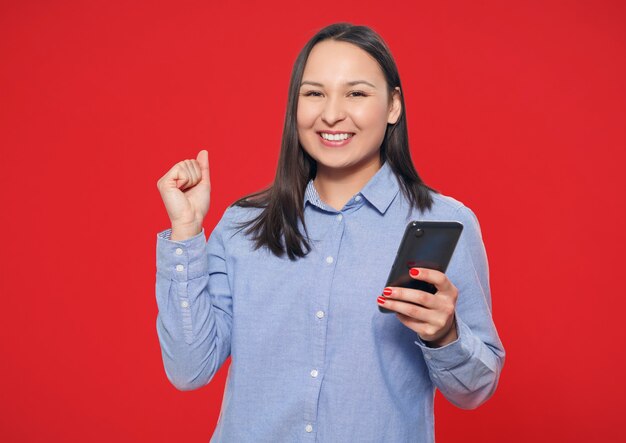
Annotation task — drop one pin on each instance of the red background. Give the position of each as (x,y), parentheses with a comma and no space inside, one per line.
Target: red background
(515,108)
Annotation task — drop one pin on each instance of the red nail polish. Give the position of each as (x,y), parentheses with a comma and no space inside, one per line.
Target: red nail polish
(414,272)
(387,291)
(381,300)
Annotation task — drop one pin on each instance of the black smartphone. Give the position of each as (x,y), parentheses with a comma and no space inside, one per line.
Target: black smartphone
(425,244)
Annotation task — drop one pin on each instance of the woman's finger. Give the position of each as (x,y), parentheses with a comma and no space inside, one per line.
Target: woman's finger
(180,175)
(430,276)
(203,162)
(416,325)
(185,167)
(171,179)
(416,296)
(192,172)
(436,278)
(412,310)
(196,169)
(427,322)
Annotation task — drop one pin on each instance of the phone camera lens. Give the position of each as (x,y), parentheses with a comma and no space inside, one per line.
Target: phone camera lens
(419,232)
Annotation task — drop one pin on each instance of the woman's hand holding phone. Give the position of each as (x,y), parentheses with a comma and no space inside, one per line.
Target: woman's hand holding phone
(186,190)
(430,315)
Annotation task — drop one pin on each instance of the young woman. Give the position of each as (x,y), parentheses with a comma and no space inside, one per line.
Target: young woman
(290,280)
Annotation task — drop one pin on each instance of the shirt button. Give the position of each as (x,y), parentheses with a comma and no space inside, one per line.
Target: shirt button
(435,375)
(308,428)
(180,268)
(428,357)
(314,373)
(319,314)
(179,251)
(357,198)
(329,259)
(339,217)
(184,304)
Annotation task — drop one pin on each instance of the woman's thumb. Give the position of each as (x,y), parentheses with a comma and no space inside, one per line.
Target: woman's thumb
(203,161)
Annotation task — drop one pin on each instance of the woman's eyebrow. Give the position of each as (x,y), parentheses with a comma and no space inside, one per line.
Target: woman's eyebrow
(351,83)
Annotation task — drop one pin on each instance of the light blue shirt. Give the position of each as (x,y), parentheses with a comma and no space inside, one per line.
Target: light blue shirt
(312,358)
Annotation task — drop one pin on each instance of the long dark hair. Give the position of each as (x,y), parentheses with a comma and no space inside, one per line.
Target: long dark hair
(276,226)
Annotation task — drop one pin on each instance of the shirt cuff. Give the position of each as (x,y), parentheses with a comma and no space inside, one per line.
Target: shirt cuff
(451,355)
(181,259)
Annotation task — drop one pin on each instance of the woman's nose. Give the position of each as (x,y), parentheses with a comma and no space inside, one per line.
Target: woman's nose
(333,111)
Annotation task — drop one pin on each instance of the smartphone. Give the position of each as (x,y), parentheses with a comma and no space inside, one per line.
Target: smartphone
(425,244)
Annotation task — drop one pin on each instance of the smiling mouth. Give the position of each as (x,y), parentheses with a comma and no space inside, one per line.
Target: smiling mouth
(335,140)
(335,137)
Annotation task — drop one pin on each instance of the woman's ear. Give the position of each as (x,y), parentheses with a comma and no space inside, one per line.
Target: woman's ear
(395,108)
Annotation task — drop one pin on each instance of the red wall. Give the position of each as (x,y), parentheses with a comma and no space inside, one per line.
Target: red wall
(515,108)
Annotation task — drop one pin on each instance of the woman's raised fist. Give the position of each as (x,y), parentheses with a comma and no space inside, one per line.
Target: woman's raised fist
(185,190)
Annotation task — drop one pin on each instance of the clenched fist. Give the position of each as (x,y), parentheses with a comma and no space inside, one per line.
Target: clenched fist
(186,190)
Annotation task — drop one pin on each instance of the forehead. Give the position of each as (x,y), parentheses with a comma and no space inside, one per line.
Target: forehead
(338,62)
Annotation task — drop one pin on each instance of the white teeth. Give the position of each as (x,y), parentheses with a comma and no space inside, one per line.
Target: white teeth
(335,137)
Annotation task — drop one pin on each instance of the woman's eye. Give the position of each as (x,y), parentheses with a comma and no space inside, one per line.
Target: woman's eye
(312,93)
(358,93)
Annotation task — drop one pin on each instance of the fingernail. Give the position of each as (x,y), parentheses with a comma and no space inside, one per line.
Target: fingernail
(387,291)
(414,272)
(381,300)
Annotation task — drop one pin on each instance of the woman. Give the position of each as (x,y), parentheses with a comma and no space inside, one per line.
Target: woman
(290,280)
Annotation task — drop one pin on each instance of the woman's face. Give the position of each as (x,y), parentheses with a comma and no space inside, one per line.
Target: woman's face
(344,93)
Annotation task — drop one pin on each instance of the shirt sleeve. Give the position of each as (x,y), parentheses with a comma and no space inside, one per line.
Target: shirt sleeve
(467,370)
(194,306)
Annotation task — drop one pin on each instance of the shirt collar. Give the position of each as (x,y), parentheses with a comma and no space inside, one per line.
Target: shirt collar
(380,190)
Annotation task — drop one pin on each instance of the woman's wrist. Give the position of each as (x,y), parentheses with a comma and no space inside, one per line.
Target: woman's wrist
(185,232)
(448,338)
